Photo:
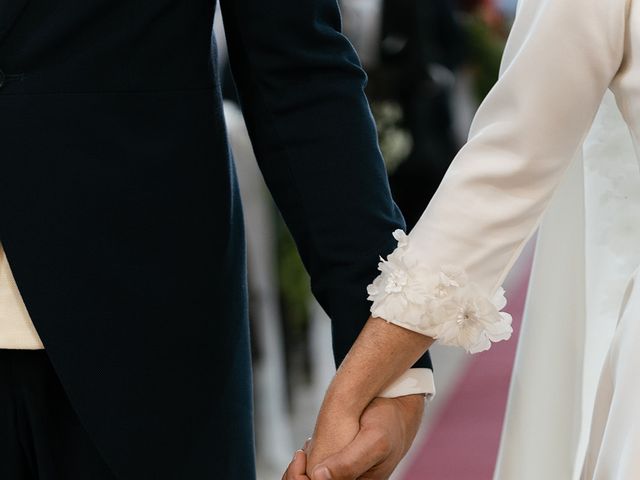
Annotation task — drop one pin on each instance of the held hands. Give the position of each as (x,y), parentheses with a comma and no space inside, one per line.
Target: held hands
(345,447)
(357,435)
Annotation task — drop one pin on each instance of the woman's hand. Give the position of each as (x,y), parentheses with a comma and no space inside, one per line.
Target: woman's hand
(385,432)
(380,355)
(335,429)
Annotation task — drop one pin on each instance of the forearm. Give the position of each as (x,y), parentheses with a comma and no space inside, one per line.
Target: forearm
(381,353)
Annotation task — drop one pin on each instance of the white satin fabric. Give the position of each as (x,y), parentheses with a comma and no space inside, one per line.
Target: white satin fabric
(588,246)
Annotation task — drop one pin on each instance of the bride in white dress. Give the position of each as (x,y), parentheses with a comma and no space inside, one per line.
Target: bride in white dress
(575,401)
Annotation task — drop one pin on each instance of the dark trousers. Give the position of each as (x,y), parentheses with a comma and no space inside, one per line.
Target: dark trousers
(41,437)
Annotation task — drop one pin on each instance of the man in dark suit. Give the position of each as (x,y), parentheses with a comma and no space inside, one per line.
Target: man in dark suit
(120,216)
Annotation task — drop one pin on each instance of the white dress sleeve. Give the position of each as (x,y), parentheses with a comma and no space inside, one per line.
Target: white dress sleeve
(444,279)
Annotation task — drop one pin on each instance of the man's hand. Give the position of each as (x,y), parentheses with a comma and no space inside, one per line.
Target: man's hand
(386,430)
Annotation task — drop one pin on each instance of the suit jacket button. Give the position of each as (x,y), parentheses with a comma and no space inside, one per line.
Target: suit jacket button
(2,78)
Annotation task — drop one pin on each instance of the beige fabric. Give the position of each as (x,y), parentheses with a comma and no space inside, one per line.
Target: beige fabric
(16,328)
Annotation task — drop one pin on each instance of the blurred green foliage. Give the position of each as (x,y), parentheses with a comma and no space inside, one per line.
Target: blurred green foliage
(295,288)
(484,52)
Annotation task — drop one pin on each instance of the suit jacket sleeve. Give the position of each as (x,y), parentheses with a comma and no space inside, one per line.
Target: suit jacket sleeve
(444,279)
(301,89)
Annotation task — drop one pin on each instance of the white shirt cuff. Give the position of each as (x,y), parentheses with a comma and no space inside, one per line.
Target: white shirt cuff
(415,381)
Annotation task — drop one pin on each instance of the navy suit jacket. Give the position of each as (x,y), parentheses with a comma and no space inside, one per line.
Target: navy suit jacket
(120,215)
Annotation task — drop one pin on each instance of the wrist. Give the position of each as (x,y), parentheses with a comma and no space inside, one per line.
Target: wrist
(412,409)
(343,400)
(413,402)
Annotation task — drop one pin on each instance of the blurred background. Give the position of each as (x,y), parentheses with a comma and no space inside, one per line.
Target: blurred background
(430,63)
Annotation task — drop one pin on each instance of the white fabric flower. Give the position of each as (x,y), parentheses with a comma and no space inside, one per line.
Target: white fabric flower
(398,290)
(441,304)
(468,319)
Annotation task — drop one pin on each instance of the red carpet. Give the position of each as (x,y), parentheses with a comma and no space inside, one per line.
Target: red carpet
(463,444)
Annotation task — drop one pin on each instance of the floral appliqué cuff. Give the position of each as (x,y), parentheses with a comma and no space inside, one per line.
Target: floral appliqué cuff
(441,304)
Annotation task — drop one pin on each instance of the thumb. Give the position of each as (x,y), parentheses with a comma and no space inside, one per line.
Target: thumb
(297,468)
(368,449)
